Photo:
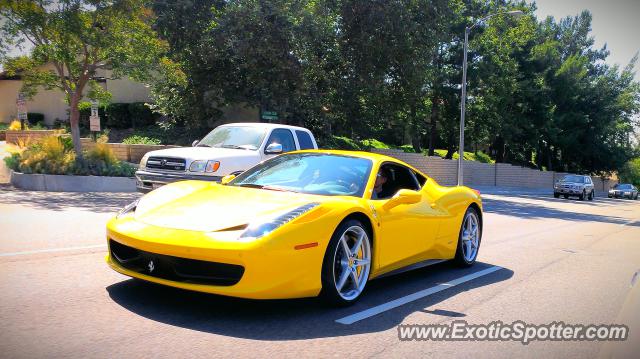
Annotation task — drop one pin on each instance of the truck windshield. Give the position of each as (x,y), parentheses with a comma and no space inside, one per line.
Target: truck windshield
(241,137)
(573,179)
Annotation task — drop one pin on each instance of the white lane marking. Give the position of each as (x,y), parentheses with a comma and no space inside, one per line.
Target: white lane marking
(350,319)
(51,250)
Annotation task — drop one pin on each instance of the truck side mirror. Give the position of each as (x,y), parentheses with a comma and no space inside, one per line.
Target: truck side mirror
(195,143)
(272,149)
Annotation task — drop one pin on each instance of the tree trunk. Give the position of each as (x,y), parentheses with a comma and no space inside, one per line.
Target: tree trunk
(74,122)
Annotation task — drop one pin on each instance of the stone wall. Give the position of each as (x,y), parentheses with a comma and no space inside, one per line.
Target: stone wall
(445,172)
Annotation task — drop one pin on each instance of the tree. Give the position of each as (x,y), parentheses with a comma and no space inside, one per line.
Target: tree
(79,38)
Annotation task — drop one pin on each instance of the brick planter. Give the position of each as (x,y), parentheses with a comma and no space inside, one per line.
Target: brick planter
(14,137)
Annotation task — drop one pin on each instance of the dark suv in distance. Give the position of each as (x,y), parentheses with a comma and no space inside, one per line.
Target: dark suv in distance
(623,190)
(576,186)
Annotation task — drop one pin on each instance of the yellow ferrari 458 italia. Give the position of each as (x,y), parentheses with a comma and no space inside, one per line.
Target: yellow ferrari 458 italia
(301,224)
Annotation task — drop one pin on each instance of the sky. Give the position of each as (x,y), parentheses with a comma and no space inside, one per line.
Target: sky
(615,23)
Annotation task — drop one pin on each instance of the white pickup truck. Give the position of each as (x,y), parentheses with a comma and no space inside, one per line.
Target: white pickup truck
(228,149)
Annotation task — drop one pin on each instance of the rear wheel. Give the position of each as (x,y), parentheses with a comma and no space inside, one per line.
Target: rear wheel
(347,263)
(469,239)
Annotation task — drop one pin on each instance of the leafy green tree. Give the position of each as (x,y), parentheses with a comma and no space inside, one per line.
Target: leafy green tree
(78,38)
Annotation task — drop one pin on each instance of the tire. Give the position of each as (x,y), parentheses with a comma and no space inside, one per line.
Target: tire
(636,196)
(467,250)
(592,194)
(583,195)
(566,196)
(556,195)
(334,265)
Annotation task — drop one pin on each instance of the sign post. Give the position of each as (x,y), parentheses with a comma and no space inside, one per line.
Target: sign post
(94,119)
(21,104)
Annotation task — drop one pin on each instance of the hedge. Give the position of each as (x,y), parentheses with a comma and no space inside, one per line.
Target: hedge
(119,115)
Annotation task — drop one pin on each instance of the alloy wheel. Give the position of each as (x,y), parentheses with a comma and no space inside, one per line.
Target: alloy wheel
(352,263)
(470,236)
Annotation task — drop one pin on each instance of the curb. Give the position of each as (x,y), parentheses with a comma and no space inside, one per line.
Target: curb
(63,183)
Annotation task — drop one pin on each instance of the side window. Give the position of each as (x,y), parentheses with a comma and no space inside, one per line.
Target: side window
(304,140)
(421,179)
(283,137)
(392,178)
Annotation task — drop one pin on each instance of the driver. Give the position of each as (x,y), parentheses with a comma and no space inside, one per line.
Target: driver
(379,188)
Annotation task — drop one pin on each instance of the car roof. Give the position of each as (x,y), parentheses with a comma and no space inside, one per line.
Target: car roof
(265,125)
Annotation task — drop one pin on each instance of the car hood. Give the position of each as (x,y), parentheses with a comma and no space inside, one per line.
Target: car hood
(207,207)
(203,153)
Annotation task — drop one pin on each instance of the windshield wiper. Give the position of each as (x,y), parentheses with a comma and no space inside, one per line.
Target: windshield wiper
(250,185)
(234,147)
(267,187)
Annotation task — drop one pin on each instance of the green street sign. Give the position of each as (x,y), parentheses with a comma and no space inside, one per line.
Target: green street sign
(269,115)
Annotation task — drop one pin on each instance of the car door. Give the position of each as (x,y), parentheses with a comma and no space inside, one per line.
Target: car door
(282,136)
(405,232)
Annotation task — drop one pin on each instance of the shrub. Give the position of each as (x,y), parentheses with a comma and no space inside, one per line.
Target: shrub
(55,155)
(141,140)
(47,156)
(16,126)
(34,118)
(140,115)
(373,143)
(117,115)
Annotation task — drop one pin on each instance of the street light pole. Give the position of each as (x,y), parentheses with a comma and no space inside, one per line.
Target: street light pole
(463,100)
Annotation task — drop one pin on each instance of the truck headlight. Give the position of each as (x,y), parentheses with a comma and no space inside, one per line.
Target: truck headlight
(143,161)
(261,229)
(198,166)
(204,166)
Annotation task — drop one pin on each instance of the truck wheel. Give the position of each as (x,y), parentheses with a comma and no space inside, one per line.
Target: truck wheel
(556,195)
(583,195)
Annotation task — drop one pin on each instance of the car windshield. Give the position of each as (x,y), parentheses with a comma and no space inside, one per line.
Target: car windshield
(573,178)
(240,137)
(313,173)
(622,186)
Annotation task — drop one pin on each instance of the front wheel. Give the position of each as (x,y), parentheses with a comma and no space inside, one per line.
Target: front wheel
(469,239)
(556,195)
(346,264)
(583,195)
(592,194)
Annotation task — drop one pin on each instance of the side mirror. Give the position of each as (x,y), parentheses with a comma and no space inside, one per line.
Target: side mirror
(195,143)
(273,149)
(404,196)
(226,179)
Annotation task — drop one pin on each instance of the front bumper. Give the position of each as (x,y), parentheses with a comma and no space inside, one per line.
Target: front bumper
(272,269)
(568,191)
(148,180)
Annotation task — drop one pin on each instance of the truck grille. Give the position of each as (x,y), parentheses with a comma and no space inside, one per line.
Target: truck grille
(175,268)
(166,163)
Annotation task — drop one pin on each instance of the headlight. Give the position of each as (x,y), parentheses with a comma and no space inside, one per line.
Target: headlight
(257,230)
(143,161)
(204,166)
(198,166)
(131,207)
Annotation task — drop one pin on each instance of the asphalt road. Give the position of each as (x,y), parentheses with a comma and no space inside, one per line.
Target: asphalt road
(561,260)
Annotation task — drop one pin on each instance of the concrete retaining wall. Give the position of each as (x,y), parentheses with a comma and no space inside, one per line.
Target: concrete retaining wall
(445,172)
(61,183)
